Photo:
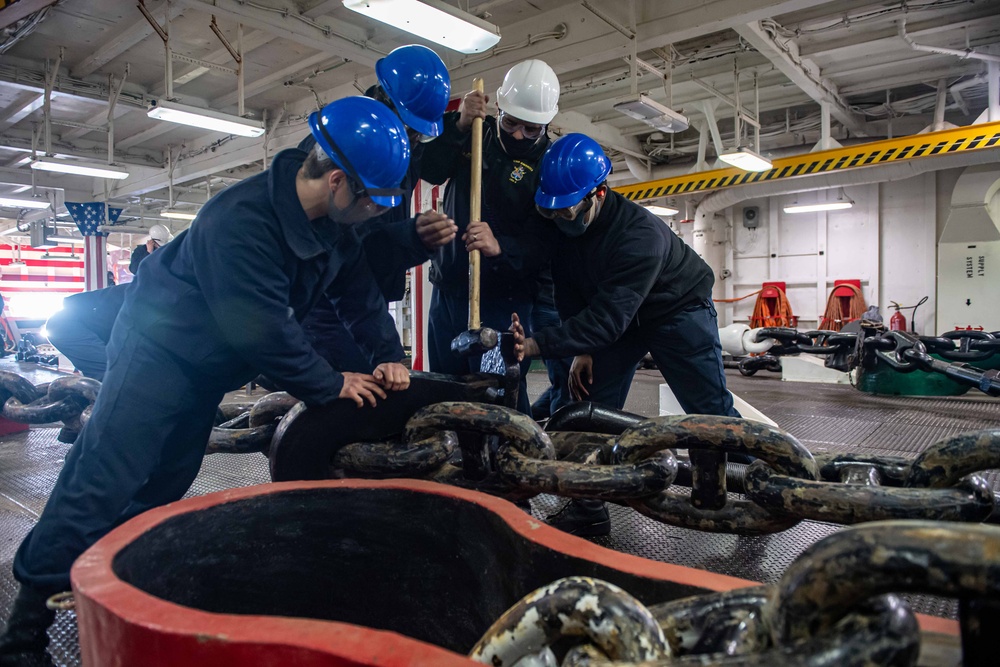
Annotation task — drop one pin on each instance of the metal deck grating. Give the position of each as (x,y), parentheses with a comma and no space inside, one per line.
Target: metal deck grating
(834,419)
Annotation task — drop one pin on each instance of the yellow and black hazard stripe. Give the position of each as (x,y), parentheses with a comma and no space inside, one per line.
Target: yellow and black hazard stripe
(972,138)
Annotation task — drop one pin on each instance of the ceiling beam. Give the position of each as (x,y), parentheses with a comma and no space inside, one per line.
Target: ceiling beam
(606,135)
(338,40)
(12,13)
(976,17)
(18,112)
(269,81)
(589,41)
(100,118)
(161,127)
(74,186)
(803,73)
(239,152)
(322,8)
(252,40)
(117,41)
(899,80)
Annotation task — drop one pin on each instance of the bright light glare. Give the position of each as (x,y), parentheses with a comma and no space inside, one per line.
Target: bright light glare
(745,159)
(825,206)
(434,21)
(204,118)
(177,215)
(79,167)
(35,305)
(661,210)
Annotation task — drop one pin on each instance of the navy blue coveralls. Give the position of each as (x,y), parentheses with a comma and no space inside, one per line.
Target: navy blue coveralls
(391,247)
(508,206)
(209,311)
(629,285)
(82,329)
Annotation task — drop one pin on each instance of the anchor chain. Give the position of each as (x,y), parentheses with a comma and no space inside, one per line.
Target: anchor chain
(508,454)
(69,399)
(837,604)
(902,351)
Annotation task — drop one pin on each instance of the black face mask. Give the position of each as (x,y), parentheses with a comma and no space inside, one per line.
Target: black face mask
(575,227)
(516,148)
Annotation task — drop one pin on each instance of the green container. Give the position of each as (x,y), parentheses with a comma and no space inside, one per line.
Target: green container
(887,381)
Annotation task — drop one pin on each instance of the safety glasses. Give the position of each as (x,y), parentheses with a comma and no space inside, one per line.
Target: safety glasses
(570,212)
(510,125)
(363,200)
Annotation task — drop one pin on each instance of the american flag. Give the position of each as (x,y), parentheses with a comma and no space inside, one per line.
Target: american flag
(88,216)
(91,214)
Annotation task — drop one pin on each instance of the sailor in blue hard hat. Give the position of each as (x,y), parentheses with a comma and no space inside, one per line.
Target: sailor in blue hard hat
(625,285)
(208,312)
(414,82)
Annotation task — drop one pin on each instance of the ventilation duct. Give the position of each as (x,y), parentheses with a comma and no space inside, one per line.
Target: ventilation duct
(970,220)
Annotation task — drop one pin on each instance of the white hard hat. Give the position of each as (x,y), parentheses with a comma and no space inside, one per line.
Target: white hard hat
(530,92)
(160,234)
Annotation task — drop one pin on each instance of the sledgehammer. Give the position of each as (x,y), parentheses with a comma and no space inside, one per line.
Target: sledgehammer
(477,339)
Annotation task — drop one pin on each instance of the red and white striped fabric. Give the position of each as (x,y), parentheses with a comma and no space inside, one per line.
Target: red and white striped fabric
(48,270)
(34,281)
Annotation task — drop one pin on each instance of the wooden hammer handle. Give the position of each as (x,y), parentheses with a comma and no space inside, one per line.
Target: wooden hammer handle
(475,211)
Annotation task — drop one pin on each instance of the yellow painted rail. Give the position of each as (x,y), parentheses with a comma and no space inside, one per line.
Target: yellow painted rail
(913,147)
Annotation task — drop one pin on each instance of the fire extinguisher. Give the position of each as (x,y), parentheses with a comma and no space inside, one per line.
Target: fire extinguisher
(897,322)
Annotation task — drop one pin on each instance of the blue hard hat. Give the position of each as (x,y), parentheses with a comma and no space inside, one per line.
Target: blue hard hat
(417,82)
(571,167)
(368,141)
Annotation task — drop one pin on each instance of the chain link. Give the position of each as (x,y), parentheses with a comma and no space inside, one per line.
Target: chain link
(902,351)
(69,399)
(836,604)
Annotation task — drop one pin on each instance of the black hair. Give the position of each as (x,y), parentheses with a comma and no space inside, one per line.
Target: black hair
(318,163)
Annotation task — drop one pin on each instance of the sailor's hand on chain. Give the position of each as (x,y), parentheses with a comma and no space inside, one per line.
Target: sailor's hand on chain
(581,374)
(361,387)
(435,229)
(392,376)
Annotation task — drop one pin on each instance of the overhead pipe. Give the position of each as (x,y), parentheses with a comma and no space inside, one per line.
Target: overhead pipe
(961,53)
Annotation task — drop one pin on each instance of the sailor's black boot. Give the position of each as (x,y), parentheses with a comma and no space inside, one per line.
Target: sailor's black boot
(585,518)
(24,642)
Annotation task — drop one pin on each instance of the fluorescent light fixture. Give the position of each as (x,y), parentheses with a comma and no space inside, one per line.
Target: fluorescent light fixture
(23,202)
(661,210)
(654,114)
(178,215)
(79,167)
(204,118)
(842,202)
(745,159)
(65,239)
(434,21)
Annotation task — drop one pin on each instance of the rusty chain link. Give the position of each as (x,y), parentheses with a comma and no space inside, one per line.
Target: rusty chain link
(69,399)
(836,604)
(497,450)
(902,351)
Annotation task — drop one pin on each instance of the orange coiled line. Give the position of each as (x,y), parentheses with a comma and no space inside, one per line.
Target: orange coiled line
(834,318)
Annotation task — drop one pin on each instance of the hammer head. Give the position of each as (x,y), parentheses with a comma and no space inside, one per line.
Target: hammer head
(475,342)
